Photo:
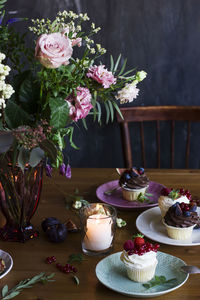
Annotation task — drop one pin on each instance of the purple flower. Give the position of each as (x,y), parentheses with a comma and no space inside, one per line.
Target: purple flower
(62,169)
(68,172)
(48,169)
(65,170)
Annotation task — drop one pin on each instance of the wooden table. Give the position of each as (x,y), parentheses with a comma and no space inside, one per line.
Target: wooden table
(29,258)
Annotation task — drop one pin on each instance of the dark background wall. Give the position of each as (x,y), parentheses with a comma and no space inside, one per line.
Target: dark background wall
(161,37)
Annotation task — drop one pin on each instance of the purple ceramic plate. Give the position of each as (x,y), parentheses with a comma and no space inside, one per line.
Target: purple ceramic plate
(117,200)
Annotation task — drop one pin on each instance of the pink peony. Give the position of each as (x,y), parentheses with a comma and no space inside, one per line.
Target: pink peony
(101,75)
(53,50)
(79,105)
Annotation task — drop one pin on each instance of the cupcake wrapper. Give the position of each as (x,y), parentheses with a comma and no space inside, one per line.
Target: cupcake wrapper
(179,233)
(141,275)
(132,195)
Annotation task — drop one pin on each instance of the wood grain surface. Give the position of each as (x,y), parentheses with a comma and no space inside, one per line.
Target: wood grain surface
(29,258)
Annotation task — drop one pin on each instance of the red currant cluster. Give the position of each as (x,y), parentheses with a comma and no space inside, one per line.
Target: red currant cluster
(50,259)
(139,246)
(65,269)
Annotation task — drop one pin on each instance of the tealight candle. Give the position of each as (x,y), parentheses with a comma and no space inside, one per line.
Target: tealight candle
(98,226)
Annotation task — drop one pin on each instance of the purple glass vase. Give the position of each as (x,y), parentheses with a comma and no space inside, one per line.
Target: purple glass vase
(19,197)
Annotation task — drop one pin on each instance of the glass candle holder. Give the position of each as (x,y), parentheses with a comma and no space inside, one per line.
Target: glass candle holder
(98,223)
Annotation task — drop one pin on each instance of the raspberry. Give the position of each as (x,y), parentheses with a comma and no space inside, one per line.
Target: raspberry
(128,245)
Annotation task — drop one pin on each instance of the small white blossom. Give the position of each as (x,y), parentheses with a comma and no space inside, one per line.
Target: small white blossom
(120,222)
(77,204)
(2,56)
(92,51)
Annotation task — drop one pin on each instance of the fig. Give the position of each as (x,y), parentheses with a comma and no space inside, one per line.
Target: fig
(57,233)
(55,230)
(49,222)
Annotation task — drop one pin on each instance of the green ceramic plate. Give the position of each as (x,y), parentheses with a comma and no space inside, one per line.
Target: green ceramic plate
(112,273)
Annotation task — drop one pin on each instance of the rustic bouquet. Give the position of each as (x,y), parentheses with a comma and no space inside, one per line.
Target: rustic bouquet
(40,105)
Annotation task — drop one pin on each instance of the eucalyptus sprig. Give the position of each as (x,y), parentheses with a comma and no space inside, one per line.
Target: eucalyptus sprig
(159,280)
(25,284)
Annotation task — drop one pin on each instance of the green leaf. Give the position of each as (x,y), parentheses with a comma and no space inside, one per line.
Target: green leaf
(84,124)
(123,67)
(111,110)
(12,295)
(70,131)
(59,112)
(29,94)
(23,157)
(99,111)
(6,140)
(117,63)
(117,109)
(76,279)
(107,112)
(15,115)
(36,156)
(49,148)
(111,63)
(78,257)
(159,280)
(4,290)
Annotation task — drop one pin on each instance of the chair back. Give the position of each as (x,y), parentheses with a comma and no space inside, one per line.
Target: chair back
(157,114)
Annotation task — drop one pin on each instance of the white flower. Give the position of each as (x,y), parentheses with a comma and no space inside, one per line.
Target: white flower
(2,56)
(141,75)
(77,204)
(120,222)
(128,93)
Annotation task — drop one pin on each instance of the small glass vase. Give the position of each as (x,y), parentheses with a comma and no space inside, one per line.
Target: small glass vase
(19,197)
(98,224)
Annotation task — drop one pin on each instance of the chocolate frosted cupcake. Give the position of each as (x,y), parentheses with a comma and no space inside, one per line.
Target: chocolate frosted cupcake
(133,183)
(180,220)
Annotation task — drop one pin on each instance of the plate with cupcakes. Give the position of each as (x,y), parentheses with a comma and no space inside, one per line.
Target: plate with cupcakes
(140,270)
(174,222)
(133,190)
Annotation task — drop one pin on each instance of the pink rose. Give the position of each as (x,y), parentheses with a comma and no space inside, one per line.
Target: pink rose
(53,50)
(101,75)
(79,105)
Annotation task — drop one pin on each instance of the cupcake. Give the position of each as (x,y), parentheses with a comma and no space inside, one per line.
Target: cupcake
(133,182)
(171,196)
(180,220)
(139,258)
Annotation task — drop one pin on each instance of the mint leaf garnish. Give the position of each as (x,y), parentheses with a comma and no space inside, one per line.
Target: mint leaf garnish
(159,280)
(144,197)
(174,194)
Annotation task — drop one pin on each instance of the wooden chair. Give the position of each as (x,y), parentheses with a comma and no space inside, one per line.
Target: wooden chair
(157,114)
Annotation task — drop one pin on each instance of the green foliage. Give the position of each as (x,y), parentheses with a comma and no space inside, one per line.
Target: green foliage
(25,284)
(160,280)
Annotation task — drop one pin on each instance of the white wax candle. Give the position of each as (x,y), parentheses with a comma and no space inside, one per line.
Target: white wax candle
(98,232)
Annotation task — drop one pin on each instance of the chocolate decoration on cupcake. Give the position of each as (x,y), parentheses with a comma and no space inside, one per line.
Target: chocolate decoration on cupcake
(133,178)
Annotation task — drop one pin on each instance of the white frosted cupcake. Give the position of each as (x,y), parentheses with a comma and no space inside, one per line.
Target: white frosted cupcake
(180,220)
(133,182)
(139,258)
(171,196)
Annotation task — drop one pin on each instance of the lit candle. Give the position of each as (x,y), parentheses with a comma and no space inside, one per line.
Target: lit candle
(98,232)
